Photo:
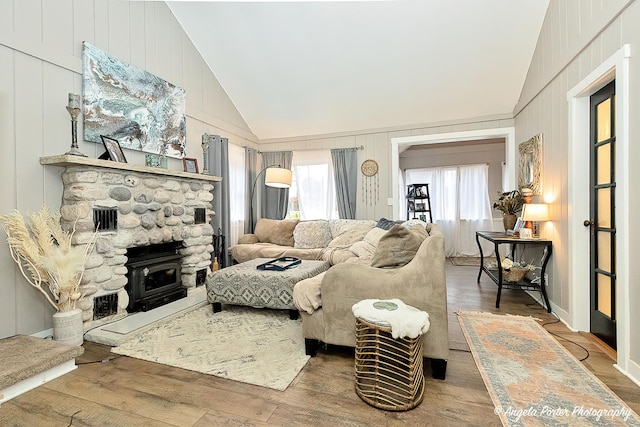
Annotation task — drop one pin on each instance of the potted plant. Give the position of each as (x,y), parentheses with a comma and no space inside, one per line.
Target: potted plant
(510,204)
(50,263)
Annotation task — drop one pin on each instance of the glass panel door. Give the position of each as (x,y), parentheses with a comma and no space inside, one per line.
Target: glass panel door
(602,221)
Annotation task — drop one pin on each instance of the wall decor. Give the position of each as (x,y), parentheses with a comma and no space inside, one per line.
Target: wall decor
(190,165)
(113,150)
(530,164)
(155,161)
(127,103)
(370,182)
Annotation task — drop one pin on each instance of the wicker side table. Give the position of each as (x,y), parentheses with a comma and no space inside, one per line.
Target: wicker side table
(389,371)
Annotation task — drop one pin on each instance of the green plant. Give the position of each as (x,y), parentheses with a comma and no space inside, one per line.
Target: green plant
(509,202)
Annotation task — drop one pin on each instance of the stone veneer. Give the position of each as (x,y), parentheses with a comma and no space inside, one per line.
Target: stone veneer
(151,209)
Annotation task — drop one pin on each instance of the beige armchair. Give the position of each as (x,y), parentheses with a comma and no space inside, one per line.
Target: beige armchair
(420,283)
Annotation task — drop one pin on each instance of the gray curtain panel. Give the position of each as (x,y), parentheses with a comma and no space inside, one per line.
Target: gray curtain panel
(219,166)
(274,201)
(251,208)
(345,171)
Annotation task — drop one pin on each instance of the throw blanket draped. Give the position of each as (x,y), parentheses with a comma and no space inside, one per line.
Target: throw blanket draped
(405,321)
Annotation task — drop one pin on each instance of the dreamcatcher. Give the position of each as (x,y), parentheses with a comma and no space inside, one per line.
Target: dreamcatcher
(370,182)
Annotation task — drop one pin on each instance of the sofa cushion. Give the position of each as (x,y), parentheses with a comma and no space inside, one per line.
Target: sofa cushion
(279,232)
(398,246)
(339,226)
(367,247)
(312,234)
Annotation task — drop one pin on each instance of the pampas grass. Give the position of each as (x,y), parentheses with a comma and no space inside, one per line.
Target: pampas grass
(45,255)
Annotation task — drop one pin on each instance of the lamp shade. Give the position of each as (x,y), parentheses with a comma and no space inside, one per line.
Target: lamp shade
(278,177)
(535,212)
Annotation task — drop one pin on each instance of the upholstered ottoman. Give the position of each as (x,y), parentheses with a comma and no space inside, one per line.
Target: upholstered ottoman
(244,284)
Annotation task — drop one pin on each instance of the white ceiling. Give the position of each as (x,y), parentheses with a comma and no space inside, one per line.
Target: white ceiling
(308,68)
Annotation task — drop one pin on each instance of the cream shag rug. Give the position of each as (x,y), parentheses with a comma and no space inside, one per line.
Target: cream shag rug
(256,346)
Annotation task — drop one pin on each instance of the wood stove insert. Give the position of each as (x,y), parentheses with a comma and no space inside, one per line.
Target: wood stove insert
(154,276)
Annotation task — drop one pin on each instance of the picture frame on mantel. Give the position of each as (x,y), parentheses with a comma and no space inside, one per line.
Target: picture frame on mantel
(190,165)
(113,150)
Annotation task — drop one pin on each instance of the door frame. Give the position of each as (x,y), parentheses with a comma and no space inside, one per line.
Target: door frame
(615,67)
(508,133)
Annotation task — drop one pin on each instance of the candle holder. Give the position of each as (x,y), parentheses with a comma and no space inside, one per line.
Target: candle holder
(205,153)
(74,110)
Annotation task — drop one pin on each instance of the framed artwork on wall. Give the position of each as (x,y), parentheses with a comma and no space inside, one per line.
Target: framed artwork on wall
(530,164)
(141,110)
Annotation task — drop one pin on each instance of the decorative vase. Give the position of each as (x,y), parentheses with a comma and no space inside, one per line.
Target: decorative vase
(68,327)
(509,221)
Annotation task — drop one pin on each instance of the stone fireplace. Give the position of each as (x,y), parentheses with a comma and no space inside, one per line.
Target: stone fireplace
(136,210)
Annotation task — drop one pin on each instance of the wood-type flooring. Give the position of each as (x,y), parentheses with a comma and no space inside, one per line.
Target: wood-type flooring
(130,392)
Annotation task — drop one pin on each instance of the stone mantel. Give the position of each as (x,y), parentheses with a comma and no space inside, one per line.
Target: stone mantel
(67,160)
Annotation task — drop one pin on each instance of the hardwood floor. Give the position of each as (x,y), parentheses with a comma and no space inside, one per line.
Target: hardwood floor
(130,392)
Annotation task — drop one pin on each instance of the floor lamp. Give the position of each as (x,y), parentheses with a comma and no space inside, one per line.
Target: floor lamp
(276,177)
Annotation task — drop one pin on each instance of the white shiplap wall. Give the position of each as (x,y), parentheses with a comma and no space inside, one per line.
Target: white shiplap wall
(576,37)
(40,63)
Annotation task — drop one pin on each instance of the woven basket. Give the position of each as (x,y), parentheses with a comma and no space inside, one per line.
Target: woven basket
(389,371)
(514,274)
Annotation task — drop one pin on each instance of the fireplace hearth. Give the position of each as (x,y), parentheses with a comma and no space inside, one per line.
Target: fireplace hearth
(135,207)
(154,276)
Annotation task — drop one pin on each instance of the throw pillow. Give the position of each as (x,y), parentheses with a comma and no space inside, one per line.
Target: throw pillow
(278,232)
(398,246)
(312,234)
(248,239)
(339,226)
(349,236)
(367,247)
(386,224)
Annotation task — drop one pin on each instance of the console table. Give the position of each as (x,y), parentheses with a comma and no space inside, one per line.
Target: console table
(499,238)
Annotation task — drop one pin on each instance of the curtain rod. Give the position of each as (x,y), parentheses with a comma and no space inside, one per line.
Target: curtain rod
(360,147)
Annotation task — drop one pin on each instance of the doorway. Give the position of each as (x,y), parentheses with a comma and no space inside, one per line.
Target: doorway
(616,67)
(602,218)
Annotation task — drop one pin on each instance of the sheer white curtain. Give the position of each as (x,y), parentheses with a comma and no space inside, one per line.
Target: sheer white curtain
(313,184)
(460,204)
(236,196)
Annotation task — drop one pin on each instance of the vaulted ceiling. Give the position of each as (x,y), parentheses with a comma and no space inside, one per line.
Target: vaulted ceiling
(308,68)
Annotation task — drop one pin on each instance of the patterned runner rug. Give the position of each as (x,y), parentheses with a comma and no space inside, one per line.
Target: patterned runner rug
(535,381)
(256,346)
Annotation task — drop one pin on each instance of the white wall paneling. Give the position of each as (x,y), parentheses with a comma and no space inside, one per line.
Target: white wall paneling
(40,63)
(574,57)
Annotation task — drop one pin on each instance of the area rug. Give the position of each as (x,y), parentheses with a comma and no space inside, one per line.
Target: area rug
(256,346)
(535,381)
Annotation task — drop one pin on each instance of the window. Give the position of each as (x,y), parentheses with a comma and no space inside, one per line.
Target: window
(236,198)
(312,192)
(459,203)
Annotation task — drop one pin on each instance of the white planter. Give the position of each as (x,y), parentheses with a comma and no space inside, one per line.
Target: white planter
(68,328)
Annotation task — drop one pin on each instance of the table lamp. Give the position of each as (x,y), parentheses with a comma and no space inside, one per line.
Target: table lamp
(534,212)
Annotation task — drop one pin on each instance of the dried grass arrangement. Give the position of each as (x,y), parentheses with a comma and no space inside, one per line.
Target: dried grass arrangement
(46,256)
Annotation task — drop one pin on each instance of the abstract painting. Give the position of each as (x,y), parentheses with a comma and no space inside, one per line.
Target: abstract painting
(142,111)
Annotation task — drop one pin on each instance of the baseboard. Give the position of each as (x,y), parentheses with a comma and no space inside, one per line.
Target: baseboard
(36,380)
(633,373)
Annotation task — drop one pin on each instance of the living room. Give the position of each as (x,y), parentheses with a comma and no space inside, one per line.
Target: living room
(581,46)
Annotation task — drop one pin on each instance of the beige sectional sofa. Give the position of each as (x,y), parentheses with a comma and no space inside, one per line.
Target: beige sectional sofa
(368,262)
